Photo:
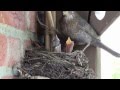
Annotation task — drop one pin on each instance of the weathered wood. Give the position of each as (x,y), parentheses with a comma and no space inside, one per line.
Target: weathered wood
(101,25)
(53,30)
(51,17)
(47,36)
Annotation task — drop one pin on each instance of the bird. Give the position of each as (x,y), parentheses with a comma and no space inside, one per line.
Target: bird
(56,45)
(69,45)
(72,25)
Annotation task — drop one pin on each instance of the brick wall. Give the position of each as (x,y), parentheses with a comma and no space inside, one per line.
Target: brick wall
(16,30)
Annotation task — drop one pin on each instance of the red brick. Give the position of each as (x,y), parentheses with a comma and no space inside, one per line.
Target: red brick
(32,17)
(7,77)
(27,44)
(11,62)
(13,18)
(14,51)
(3,49)
(4,17)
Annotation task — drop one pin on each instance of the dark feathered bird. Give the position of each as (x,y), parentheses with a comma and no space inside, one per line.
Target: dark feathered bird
(79,30)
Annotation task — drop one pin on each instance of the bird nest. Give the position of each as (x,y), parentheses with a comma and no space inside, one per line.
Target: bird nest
(52,65)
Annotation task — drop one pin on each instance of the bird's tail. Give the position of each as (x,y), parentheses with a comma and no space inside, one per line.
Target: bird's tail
(101,45)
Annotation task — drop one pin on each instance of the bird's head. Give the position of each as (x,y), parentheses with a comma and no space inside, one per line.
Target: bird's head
(69,14)
(69,41)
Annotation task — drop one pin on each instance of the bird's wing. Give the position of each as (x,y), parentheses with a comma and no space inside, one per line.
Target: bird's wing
(84,25)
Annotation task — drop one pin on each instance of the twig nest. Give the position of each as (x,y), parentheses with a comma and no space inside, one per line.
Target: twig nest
(38,64)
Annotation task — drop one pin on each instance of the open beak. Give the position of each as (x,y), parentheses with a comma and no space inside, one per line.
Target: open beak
(69,45)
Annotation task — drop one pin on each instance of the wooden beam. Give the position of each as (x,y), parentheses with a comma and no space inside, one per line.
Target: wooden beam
(51,23)
(53,30)
(47,37)
(101,25)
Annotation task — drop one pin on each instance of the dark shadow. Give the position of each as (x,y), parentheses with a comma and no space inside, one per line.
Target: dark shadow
(41,28)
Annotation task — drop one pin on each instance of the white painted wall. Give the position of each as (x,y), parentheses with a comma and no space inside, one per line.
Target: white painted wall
(111,38)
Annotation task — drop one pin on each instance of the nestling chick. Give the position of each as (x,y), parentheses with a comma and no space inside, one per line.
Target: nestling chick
(69,45)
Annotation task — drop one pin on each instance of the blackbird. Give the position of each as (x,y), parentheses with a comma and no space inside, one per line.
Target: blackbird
(79,30)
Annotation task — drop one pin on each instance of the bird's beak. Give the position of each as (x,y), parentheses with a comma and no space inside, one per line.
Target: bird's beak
(69,45)
(68,41)
(65,13)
